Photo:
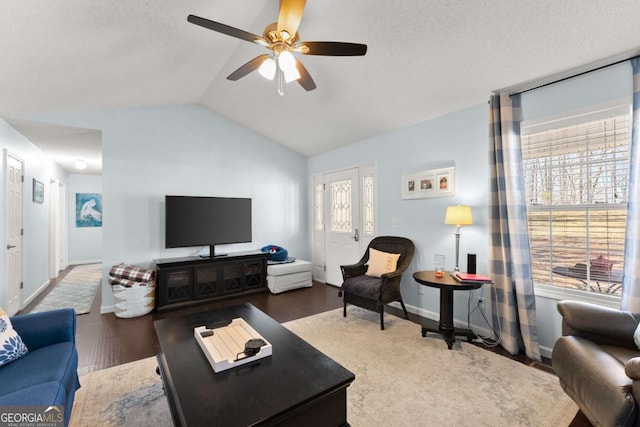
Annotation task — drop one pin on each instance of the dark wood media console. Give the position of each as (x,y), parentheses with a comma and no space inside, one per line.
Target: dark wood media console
(188,281)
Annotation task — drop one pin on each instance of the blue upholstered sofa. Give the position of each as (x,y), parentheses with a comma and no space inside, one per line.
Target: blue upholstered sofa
(48,373)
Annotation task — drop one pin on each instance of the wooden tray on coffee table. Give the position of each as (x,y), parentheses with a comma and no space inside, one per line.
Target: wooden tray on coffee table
(225,348)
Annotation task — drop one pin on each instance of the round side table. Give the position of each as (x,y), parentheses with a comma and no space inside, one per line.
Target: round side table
(447,285)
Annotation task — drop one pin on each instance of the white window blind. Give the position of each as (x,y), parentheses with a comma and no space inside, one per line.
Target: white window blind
(576,182)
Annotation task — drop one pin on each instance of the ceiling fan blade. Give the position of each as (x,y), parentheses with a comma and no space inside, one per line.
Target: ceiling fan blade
(305,79)
(333,48)
(250,66)
(225,29)
(290,16)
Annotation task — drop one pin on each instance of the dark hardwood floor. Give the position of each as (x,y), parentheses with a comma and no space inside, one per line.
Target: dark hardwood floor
(104,340)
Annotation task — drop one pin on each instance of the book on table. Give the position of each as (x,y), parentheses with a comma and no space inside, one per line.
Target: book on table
(471,278)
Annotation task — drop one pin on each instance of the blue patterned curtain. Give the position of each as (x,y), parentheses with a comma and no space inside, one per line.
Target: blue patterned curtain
(631,274)
(514,313)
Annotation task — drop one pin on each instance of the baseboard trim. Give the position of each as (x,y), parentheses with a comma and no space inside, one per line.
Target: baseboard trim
(480,331)
(90,261)
(35,294)
(107,309)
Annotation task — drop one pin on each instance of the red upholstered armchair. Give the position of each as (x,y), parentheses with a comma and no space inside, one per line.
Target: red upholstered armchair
(373,293)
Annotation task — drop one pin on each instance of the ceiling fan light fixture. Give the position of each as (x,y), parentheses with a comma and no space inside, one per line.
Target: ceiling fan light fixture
(281,38)
(268,69)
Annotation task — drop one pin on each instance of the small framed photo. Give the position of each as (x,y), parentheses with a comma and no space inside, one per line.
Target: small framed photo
(428,184)
(410,186)
(38,191)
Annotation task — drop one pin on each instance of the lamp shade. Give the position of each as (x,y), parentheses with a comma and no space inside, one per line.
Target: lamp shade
(268,69)
(458,215)
(286,61)
(291,74)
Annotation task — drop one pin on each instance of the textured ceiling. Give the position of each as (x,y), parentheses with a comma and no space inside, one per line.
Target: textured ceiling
(424,58)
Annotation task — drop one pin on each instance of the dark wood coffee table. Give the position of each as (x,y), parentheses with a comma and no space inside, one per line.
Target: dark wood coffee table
(297,385)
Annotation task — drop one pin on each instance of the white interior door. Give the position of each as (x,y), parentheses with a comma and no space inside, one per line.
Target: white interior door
(13,234)
(342,219)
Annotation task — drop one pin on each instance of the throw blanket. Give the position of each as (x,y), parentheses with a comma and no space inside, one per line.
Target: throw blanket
(130,275)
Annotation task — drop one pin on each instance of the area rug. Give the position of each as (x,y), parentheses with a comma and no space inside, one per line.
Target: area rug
(76,290)
(402,379)
(125,395)
(406,380)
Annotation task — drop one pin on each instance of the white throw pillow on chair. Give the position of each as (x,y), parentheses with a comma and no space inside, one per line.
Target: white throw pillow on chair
(381,263)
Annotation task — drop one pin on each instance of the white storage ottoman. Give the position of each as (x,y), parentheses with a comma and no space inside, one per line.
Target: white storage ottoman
(292,275)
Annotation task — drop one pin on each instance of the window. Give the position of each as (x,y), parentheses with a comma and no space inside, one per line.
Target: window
(319,204)
(341,206)
(576,173)
(368,206)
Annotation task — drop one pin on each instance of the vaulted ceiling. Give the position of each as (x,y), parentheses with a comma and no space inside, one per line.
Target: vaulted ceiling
(424,59)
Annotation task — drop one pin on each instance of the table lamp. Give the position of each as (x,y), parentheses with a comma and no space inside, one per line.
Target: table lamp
(458,215)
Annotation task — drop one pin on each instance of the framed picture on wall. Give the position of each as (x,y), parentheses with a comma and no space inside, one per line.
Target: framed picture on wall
(38,191)
(428,184)
(88,210)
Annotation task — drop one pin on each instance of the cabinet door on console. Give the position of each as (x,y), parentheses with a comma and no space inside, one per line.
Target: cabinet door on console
(255,274)
(232,278)
(206,284)
(178,285)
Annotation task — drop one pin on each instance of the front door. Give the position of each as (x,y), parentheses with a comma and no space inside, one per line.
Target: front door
(13,234)
(342,219)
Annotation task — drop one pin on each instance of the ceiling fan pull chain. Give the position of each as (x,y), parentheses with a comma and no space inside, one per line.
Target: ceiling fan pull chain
(280,82)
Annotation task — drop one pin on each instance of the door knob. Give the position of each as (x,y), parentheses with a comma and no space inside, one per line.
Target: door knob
(356,237)
(10,246)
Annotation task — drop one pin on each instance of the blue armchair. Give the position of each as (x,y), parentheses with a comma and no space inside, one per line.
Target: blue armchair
(48,374)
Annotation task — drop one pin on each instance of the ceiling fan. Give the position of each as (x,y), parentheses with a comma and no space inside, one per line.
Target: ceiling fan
(282,38)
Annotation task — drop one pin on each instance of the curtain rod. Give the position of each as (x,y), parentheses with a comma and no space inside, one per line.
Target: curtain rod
(575,75)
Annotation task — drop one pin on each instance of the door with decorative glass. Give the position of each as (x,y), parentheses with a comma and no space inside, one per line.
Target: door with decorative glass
(344,220)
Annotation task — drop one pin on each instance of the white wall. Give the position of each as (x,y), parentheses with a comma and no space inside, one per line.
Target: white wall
(84,243)
(458,139)
(188,150)
(35,250)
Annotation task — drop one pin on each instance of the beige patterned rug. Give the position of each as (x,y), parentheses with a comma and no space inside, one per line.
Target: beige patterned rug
(402,379)
(76,290)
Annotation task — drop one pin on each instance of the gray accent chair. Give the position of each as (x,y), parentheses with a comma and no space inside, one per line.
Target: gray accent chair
(598,363)
(374,293)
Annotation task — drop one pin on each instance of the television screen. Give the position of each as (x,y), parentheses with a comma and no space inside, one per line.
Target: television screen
(206,221)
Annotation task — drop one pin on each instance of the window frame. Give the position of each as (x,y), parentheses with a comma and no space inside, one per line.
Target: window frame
(565,119)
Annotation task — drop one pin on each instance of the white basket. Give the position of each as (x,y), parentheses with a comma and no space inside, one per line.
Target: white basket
(134,301)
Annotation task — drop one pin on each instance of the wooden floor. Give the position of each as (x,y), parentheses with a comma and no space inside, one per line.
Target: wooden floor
(103,340)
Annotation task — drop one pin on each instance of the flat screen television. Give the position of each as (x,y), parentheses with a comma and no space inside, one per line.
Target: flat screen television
(206,221)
